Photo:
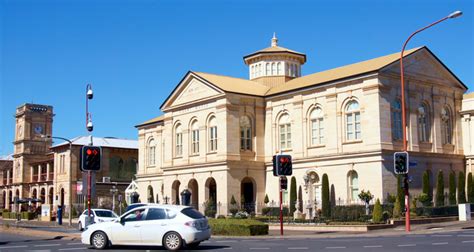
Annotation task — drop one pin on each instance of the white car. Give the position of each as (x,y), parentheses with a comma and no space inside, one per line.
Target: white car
(170,226)
(99,215)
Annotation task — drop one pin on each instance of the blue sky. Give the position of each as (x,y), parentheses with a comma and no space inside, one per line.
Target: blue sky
(135,52)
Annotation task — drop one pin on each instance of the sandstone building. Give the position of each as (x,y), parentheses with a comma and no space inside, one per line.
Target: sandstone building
(217,134)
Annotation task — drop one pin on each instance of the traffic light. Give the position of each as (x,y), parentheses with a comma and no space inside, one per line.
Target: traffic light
(283,183)
(400,162)
(282,165)
(90,158)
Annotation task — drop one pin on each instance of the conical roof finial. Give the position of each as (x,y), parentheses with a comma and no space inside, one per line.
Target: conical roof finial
(274,40)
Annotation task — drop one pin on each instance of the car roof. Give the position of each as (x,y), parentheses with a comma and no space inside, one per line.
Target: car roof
(176,207)
(100,209)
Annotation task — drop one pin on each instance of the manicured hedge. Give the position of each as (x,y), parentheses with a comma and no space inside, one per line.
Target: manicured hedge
(24,215)
(437,211)
(27,216)
(238,227)
(274,211)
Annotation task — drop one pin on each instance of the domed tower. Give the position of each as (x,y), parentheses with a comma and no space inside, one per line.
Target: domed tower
(274,65)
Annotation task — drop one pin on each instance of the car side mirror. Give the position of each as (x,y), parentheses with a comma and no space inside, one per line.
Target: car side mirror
(121,220)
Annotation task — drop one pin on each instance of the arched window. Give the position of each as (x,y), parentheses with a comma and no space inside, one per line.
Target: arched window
(212,134)
(267,69)
(245,133)
(194,137)
(284,125)
(353,130)
(353,186)
(446,125)
(317,126)
(151,151)
(150,194)
(178,140)
(424,123)
(274,69)
(279,71)
(252,71)
(397,130)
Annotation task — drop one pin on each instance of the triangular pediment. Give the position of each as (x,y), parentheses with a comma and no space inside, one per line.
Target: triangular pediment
(191,89)
(424,65)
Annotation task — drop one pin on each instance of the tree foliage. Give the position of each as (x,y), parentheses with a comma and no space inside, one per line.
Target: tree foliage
(397,210)
(426,188)
(470,188)
(461,188)
(300,199)
(266,200)
(293,195)
(377,214)
(325,205)
(400,193)
(440,189)
(452,188)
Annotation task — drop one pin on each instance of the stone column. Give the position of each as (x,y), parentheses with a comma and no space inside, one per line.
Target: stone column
(39,173)
(48,167)
(32,172)
(8,177)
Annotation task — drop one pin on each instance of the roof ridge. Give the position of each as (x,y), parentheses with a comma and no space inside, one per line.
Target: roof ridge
(224,76)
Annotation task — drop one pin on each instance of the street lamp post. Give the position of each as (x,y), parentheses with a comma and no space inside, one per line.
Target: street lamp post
(404,127)
(70,173)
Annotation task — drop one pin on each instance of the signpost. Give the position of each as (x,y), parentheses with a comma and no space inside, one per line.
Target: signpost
(282,167)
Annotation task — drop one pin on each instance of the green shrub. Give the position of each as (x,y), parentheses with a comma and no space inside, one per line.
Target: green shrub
(391,198)
(425,199)
(350,213)
(221,216)
(461,188)
(266,200)
(397,210)
(377,213)
(440,189)
(400,193)
(426,188)
(6,215)
(27,215)
(233,206)
(470,188)
(437,211)
(210,210)
(238,227)
(325,206)
(300,199)
(274,211)
(292,195)
(452,188)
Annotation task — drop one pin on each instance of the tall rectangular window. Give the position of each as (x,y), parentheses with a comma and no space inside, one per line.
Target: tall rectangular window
(285,136)
(195,141)
(213,138)
(179,144)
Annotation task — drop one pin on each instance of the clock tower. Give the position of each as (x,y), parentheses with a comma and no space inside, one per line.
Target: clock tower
(32,121)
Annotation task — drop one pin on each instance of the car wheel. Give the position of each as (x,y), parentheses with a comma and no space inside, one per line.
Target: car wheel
(99,240)
(172,241)
(79,226)
(193,245)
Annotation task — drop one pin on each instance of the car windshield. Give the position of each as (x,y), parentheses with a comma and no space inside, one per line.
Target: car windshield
(104,213)
(192,213)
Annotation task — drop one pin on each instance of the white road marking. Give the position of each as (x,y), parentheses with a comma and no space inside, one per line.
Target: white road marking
(464,235)
(72,249)
(439,243)
(228,248)
(48,245)
(438,228)
(259,248)
(77,243)
(406,245)
(441,235)
(21,246)
(298,248)
(226,241)
(373,246)
(468,241)
(335,247)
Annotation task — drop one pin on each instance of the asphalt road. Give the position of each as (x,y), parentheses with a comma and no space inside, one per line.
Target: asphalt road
(442,241)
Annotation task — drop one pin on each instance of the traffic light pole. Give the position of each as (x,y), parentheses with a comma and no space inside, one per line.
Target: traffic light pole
(281,210)
(89,197)
(407,203)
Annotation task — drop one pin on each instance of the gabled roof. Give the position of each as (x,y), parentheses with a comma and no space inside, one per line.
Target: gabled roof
(340,72)
(234,85)
(151,121)
(102,142)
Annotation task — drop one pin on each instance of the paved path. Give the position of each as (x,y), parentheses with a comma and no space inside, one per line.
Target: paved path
(462,240)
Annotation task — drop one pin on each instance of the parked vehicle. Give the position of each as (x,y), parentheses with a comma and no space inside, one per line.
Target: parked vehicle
(170,226)
(134,205)
(99,215)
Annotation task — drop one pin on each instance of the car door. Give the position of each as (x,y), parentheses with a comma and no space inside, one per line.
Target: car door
(127,229)
(155,226)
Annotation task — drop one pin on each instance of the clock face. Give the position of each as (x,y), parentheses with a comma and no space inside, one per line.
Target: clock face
(38,129)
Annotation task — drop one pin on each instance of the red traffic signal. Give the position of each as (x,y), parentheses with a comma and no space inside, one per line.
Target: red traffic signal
(90,158)
(282,165)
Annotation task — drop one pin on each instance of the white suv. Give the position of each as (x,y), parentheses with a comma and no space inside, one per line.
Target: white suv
(99,215)
(170,226)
